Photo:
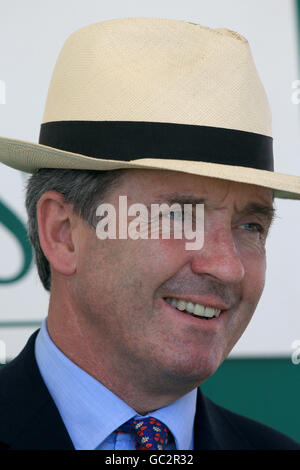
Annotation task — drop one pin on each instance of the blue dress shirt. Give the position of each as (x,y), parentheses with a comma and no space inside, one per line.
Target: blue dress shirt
(91,413)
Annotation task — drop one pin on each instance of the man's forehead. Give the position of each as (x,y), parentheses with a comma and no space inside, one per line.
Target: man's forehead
(175,187)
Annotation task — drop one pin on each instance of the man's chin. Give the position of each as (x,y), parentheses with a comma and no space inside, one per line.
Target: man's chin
(192,372)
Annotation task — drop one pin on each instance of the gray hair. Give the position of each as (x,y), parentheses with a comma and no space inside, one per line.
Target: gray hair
(84,189)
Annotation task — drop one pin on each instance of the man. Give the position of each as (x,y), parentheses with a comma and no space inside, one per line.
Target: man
(162,112)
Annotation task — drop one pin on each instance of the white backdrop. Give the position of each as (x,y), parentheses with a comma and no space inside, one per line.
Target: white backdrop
(31,36)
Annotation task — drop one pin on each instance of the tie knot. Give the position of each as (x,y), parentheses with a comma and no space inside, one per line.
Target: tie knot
(149,433)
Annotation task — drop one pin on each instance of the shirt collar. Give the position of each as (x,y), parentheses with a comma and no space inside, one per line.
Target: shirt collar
(90,411)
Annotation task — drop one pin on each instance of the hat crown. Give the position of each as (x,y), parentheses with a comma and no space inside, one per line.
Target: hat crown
(158,70)
(155,93)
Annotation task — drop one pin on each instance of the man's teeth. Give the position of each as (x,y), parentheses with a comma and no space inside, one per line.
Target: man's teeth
(196,309)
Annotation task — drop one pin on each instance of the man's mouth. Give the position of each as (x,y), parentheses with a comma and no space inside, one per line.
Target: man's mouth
(197,310)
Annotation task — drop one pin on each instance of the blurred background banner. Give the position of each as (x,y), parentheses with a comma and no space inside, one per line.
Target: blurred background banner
(262,370)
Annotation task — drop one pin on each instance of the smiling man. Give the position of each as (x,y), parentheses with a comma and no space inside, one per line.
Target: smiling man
(111,299)
(136,325)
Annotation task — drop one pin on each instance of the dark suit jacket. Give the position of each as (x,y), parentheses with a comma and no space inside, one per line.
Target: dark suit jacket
(29,418)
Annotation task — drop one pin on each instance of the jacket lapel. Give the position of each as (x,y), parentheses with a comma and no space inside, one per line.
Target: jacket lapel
(215,428)
(205,437)
(30,419)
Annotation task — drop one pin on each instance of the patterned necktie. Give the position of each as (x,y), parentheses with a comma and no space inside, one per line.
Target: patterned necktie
(149,433)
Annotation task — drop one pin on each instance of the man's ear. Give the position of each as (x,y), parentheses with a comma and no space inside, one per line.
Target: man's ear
(55,224)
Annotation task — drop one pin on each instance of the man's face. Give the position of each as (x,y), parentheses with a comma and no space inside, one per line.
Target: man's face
(120,286)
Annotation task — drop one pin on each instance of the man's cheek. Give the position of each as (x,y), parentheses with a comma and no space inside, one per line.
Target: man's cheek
(255,274)
(256,287)
(238,324)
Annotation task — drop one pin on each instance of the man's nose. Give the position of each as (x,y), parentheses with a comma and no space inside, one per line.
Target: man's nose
(219,257)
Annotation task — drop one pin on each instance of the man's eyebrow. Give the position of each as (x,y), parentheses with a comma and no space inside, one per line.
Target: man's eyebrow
(256,208)
(252,208)
(173,198)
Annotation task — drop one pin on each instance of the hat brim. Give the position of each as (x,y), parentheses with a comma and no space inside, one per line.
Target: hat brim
(28,156)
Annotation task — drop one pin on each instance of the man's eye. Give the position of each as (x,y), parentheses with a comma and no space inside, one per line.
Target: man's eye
(175,215)
(253,227)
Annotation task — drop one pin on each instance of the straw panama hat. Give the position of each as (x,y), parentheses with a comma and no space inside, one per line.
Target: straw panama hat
(156,93)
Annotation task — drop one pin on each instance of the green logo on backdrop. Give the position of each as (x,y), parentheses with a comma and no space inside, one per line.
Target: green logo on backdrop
(12,222)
